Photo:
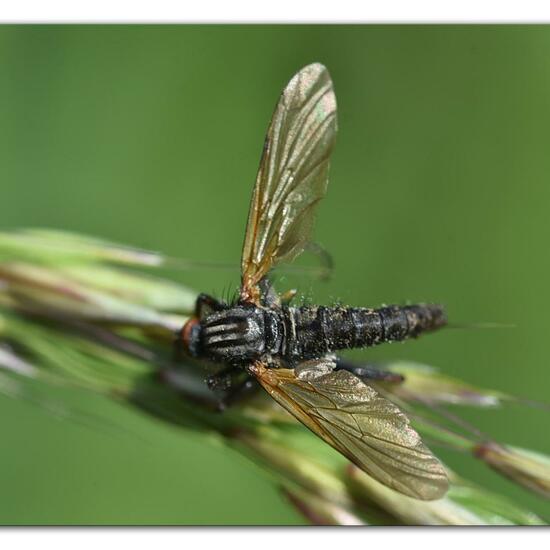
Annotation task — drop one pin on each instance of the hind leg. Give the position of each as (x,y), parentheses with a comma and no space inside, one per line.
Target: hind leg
(367,372)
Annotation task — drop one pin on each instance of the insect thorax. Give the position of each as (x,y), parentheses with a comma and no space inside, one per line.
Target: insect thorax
(245,333)
(241,334)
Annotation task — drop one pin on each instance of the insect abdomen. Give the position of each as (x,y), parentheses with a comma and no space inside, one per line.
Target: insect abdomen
(395,323)
(314,331)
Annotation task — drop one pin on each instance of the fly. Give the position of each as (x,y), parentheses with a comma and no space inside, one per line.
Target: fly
(290,350)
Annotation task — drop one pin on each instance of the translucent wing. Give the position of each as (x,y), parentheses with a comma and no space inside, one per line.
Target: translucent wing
(292,177)
(366,428)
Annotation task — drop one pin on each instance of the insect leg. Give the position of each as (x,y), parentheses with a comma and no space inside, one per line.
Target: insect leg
(367,372)
(206,304)
(229,389)
(239,392)
(223,379)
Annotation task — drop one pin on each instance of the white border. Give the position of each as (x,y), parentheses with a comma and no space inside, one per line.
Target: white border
(245,539)
(280,11)
(284,11)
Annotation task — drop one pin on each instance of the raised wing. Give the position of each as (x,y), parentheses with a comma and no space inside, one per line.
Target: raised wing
(366,428)
(292,177)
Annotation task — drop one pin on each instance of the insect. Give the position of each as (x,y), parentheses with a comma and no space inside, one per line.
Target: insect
(290,350)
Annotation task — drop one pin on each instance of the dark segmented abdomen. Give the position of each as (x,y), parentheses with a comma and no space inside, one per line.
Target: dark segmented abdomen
(395,323)
(314,331)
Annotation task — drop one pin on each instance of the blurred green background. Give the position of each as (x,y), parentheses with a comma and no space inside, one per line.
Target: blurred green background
(151,135)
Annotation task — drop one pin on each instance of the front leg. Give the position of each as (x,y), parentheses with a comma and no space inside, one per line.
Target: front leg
(231,385)
(206,304)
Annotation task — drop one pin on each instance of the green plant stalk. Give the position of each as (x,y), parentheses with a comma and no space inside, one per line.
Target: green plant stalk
(72,314)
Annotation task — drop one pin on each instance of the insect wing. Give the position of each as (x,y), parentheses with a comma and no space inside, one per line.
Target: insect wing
(292,177)
(365,427)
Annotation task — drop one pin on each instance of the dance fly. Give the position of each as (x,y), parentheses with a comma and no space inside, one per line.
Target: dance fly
(289,350)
